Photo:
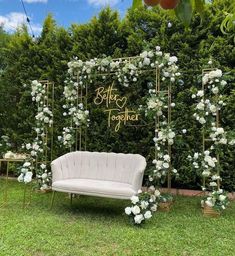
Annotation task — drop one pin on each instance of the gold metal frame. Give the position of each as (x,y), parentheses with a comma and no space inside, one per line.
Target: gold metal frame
(83,99)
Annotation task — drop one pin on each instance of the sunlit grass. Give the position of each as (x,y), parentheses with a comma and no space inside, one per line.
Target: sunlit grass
(97,226)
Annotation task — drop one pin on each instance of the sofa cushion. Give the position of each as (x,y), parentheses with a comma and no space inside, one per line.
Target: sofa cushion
(92,187)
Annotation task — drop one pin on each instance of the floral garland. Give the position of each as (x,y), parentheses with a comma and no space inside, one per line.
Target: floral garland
(143,206)
(44,120)
(157,105)
(127,70)
(75,113)
(206,163)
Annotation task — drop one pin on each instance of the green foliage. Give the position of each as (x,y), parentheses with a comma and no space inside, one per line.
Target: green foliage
(47,58)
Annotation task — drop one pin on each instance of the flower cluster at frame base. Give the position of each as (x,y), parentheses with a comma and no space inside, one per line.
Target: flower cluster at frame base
(206,164)
(218,200)
(144,204)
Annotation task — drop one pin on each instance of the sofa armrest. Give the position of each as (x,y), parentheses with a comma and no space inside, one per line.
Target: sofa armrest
(138,180)
(56,170)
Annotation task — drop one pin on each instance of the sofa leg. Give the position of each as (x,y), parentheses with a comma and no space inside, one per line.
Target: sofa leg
(52,199)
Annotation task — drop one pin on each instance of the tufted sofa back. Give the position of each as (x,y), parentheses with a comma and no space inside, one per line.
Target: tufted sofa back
(116,167)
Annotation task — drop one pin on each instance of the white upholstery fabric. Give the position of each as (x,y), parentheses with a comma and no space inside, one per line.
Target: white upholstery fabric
(99,174)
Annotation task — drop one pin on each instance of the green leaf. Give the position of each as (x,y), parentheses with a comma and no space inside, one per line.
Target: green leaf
(137,4)
(184,12)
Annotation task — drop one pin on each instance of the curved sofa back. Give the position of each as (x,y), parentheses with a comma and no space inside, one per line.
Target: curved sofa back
(99,166)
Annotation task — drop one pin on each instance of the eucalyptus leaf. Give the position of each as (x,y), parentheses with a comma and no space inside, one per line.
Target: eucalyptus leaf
(184,12)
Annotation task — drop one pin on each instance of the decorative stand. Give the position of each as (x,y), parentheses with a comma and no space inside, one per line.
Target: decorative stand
(5,189)
(48,130)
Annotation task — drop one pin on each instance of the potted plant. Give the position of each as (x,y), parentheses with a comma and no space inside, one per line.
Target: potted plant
(214,203)
(165,202)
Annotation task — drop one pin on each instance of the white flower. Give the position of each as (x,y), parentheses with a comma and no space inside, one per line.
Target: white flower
(146,61)
(169,25)
(21,178)
(215,90)
(139,218)
(220,130)
(147,215)
(28,177)
(193,96)
(200,106)
(26,164)
(202,120)
(200,93)
(128,210)
(209,203)
(173,59)
(154,208)
(166,158)
(157,193)
(213,184)
(222,197)
(213,108)
(184,131)
(44,176)
(144,204)
(43,166)
(166,165)
(134,199)
(223,83)
(171,135)
(136,209)
(206,173)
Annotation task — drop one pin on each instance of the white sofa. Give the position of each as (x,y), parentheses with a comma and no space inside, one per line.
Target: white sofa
(98,174)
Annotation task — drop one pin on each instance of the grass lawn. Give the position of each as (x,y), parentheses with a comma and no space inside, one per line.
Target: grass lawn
(96,226)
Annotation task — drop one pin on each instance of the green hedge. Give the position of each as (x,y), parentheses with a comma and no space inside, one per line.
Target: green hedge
(23,60)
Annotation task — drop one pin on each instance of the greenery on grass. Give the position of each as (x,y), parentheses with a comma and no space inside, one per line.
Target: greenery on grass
(96,226)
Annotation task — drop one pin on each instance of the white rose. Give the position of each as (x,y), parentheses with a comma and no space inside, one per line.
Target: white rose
(166,165)
(171,135)
(21,178)
(147,215)
(136,210)
(213,184)
(200,93)
(144,204)
(28,177)
(223,83)
(215,90)
(134,199)
(166,158)
(44,176)
(128,210)
(202,120)
(200,106)
(138,218)
(157,193)
(26,164)
(209,203)
(154,208)
(222,197)
(213,108)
